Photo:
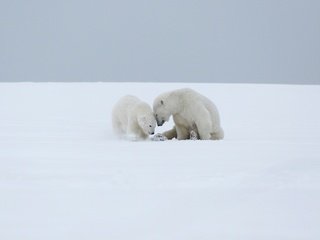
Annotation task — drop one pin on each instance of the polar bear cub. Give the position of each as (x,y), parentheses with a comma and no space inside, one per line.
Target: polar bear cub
(194,115)
(133,118)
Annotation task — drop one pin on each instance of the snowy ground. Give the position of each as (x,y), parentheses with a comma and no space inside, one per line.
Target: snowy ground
(63,175)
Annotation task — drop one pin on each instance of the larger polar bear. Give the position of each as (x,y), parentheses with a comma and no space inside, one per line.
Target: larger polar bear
(194,115)
(133,118)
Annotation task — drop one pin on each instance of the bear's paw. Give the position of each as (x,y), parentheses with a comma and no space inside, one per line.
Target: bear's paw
(159,137)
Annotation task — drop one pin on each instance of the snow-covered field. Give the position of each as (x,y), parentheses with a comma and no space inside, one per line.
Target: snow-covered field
(63,175)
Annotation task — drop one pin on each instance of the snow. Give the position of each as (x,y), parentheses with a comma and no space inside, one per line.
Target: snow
(63,175)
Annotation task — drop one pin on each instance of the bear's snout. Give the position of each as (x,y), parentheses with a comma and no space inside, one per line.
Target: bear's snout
(160,123)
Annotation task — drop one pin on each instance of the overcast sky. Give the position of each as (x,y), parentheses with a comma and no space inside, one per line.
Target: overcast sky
(276,41)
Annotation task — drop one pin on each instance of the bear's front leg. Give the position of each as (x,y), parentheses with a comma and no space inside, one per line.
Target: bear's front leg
(134,132)
(170,134)
(182,133)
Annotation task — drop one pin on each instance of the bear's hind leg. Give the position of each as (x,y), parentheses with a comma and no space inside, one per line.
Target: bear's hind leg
(217,135)
(203,124)
(117,127)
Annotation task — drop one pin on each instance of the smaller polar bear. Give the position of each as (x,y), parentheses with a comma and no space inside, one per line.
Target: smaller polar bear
(194,115)
(133,118)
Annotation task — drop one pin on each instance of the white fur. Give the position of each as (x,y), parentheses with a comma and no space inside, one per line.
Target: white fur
(192,114)
(133,118)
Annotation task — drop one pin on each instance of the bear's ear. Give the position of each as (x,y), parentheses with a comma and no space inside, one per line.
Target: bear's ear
(161,102)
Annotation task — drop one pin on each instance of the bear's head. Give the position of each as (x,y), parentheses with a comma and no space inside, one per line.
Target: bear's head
(147,123)
(161,111)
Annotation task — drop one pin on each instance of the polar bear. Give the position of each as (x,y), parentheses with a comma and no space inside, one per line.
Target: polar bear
(194,115)
(133,118)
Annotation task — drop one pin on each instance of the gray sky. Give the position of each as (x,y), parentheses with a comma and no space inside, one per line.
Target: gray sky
(275,41)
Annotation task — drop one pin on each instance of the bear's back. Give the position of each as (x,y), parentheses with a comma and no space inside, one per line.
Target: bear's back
(191,96)
(143,108)
(124,106)
(126,102)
